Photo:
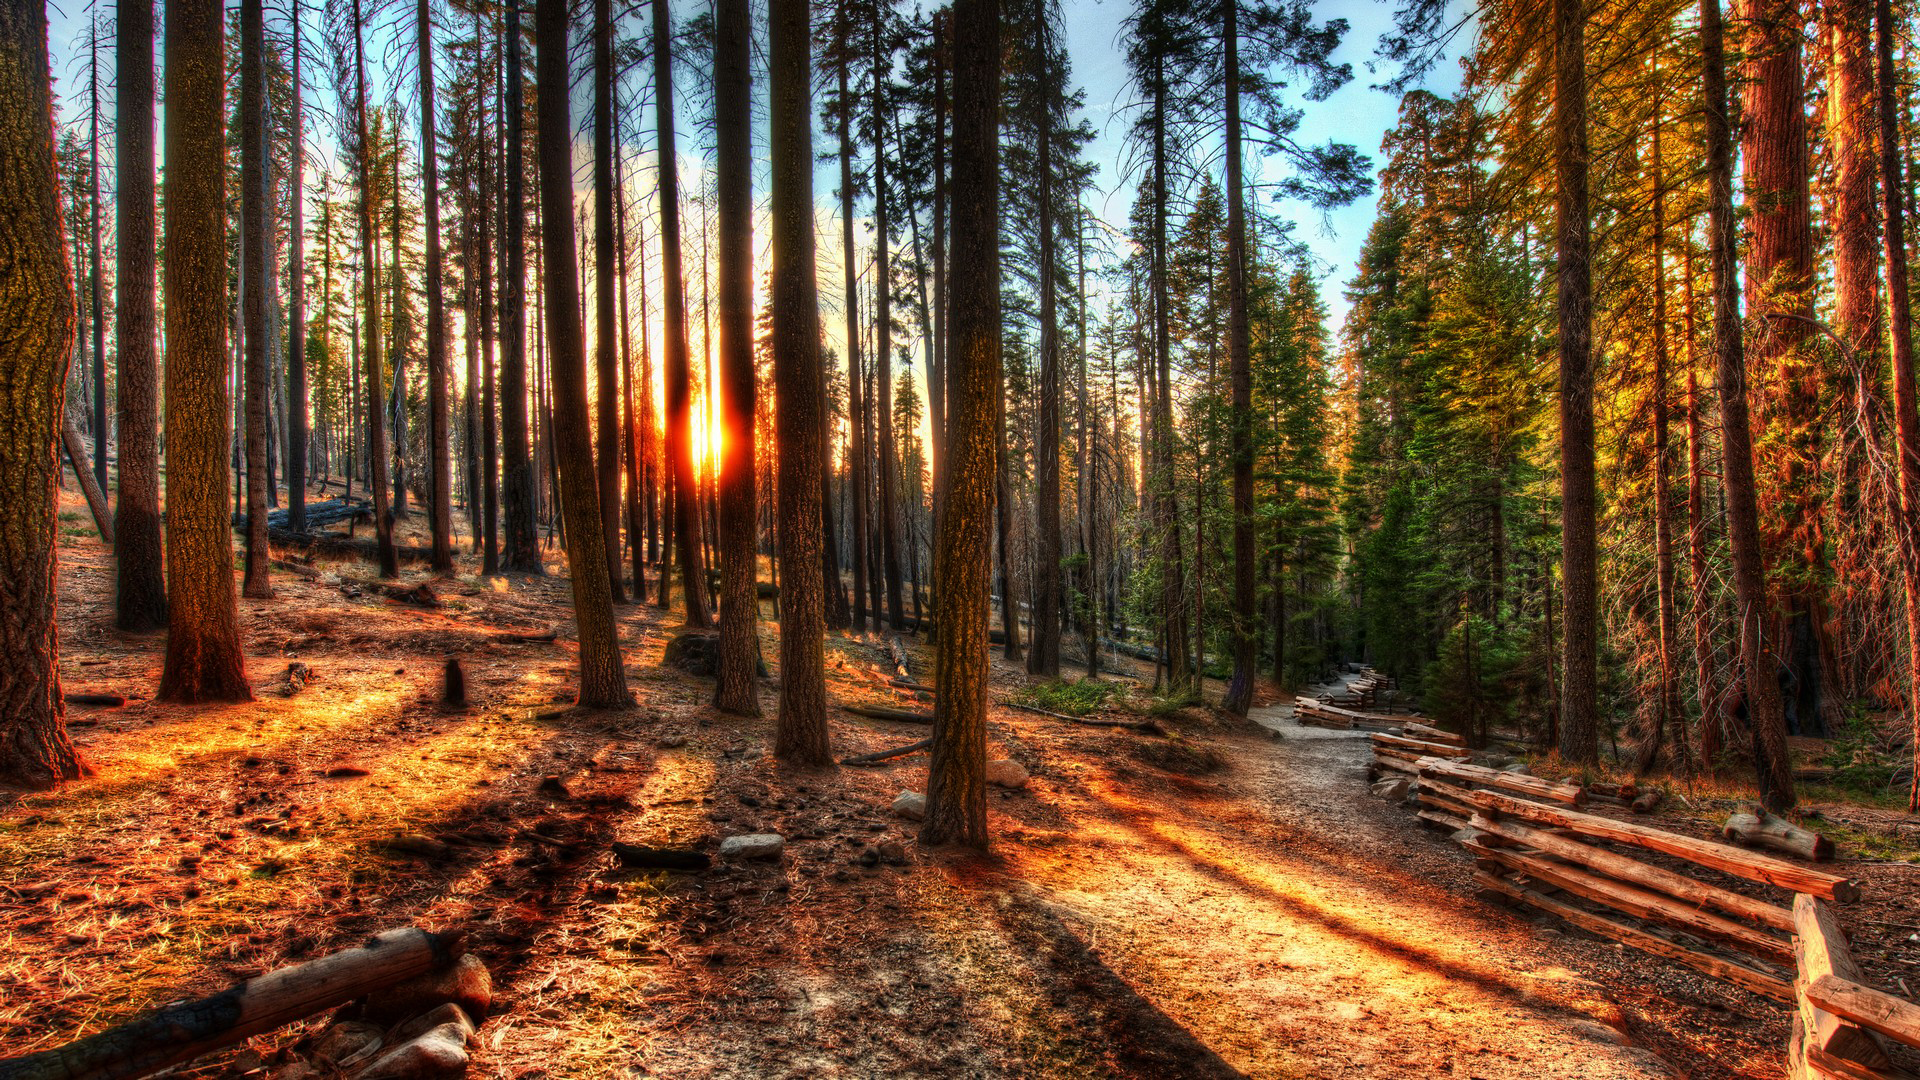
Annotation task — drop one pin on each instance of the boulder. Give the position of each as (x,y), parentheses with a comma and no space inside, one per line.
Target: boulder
(348,1042)
(910,805)
(440,1052)
(753,846)
(694,653)
(1006,773)
(1393,788)
(442,1016)
(465,984)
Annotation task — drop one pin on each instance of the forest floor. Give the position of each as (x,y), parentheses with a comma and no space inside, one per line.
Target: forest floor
(1224,901)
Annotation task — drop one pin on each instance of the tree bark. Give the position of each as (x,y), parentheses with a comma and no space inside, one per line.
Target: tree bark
(888,508)
(799,399)
(440,450)
(686,526)
(256,225)
(203,661)
(140,597)
(735,691)
(605,326)
(956,780)
(297,423)
(856,407)
(37,312)
(1043,652)
(1764,713)
(1239,696)
(521,550)
(370,296)
(1667,722)
(1906,399)
(603,681)
(1579,700)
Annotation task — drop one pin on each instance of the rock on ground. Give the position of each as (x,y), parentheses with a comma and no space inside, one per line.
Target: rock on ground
(753,846)
(1006,773)
(910,805)
(441,1052)
(465,984)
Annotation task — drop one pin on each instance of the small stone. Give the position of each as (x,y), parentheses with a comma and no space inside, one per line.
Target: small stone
(441,1052)
(868,857)
(1598,1032)
(1006,773)
(671,742)
(910,805)
(753,846)
(466,984)
(894,852)
(447,1015)
(1518,767)
(1392,789)
(348,1041)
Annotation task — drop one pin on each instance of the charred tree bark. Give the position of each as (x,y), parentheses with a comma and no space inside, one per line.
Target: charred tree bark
(1579,561)
(735,691)
(605,362)
(255,278)
(140,597)
(799,399)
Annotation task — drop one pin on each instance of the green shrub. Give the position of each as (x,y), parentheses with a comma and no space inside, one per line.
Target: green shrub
(1072,698)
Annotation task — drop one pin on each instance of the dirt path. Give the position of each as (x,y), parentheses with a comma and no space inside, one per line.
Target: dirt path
(1216,903)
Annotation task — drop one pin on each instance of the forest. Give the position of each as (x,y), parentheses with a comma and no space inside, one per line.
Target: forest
(1010,538)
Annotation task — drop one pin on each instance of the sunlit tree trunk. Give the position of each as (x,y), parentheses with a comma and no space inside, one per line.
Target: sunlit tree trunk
(37,307)
(956,779)
(1239,696)
(1043,656)
(516,485)
(889,502)
(1579,701)
(603,681)
(606,329)
(1764,712)
(439,453)
(297,423)
(370,296)
(140,596)
(799,393)
(1667,722)
(856,406)
(203,661)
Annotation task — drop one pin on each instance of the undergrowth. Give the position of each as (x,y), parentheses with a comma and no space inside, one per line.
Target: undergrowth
(1071,698)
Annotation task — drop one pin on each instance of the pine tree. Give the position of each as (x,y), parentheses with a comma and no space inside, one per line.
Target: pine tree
(140,597)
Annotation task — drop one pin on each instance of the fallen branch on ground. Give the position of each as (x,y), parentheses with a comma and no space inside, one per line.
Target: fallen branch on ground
(879,756)
(904,716)
(1145,727)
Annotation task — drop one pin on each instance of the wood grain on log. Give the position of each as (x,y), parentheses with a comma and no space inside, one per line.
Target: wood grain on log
(1821,953)
(1571,794)
(1756,826)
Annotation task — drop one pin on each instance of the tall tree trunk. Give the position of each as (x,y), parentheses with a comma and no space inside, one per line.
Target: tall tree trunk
(203,661)
(889,503)
(606,329)
(37,307)
(956,779)
(370,296)
(630,427)
(522,542)
(1579,701)
(1906,402)
(937,379)
(1667,722)
(1764,712)
(856,409)
(1166,505)
(1777,168)
(1239,696)
(686,525)
(1705,684)
(1043,654)
(799,399)
(603,681)
(140,596)
(735,691)
(297,287)
(439,452)
(256,224)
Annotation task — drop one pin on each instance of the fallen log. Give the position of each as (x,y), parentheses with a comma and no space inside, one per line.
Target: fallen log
(1758,827)
(296,568)
(1146,727)
(96,499)
(324,512)
(1418,746)
(1445,820)
(1732,860)
(110,701)
(185,1030)
(636,857)
(904,716)
(1571,794)
(1413,757)
(525,639)
(1895,1017)
(344,547)
(1749,976)
(909,684)
(879,756)
(1822,957)
(897,652)
(1414,730)
(1383,723)
(1629,899)
(420,595)
(1694,893)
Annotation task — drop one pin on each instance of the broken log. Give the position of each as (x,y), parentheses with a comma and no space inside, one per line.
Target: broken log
(1756,826)
(1646,802)
(185,1030)
(1693,893)
(1728,859)
(879,756)
(636,857)
(109,701)
(1415,730)
(1571,794)
(1145,727)
(1629,899)
(897,653)
(525,639)
(1821,953)
(420,595)
(909,684)
(1770,983)
(96,499)
(1418,746)
(904,716)
(296,568)
(344,547)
